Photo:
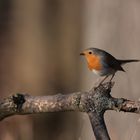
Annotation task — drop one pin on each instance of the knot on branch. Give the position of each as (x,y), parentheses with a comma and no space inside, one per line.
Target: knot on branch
(98,99)
(18,100)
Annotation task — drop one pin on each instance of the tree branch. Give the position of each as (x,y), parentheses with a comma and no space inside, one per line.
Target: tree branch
(95,103)
(98,126)
(21,104)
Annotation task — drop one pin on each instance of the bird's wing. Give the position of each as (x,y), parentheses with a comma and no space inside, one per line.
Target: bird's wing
(111,62)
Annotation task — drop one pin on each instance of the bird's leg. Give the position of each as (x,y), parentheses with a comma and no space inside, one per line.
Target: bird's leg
(112,77)
(103,80)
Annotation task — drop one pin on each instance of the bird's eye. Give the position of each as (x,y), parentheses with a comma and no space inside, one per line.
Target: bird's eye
(90,52)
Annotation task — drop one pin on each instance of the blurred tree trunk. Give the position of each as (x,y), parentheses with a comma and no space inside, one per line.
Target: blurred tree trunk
(41,40)
(62,21)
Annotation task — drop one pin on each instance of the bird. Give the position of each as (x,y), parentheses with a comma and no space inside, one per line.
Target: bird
(103,63)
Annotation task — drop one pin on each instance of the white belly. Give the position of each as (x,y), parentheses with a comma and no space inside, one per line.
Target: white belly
(105,72)
(97,72)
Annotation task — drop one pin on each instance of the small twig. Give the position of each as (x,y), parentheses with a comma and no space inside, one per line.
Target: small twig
(130,106)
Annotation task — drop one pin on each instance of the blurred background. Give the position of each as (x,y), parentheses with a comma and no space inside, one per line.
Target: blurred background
(40,42)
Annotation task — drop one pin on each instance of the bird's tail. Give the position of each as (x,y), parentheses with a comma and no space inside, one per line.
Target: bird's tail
(122,62)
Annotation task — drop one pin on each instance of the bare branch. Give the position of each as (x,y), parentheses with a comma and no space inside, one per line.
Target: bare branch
(98,126)
(95,103)
(21,104)
(130,106)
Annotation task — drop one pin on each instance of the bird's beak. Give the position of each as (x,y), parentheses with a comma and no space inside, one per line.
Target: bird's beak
(82,53)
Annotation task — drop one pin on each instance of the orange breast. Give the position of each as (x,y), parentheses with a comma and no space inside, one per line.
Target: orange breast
(93,62)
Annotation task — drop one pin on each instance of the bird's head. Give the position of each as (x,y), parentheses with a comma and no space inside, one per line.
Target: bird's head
(92,56)
(90,53)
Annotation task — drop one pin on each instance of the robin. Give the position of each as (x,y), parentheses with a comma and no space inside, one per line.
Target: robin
(104,64)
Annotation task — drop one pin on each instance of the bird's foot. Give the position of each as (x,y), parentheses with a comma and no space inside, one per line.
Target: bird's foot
(103,84)
(97,84)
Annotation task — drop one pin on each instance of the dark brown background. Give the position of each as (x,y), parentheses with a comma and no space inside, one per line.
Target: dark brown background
(40,41)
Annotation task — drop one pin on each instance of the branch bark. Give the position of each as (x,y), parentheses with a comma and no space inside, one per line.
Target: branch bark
(94,103)
(98,126)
